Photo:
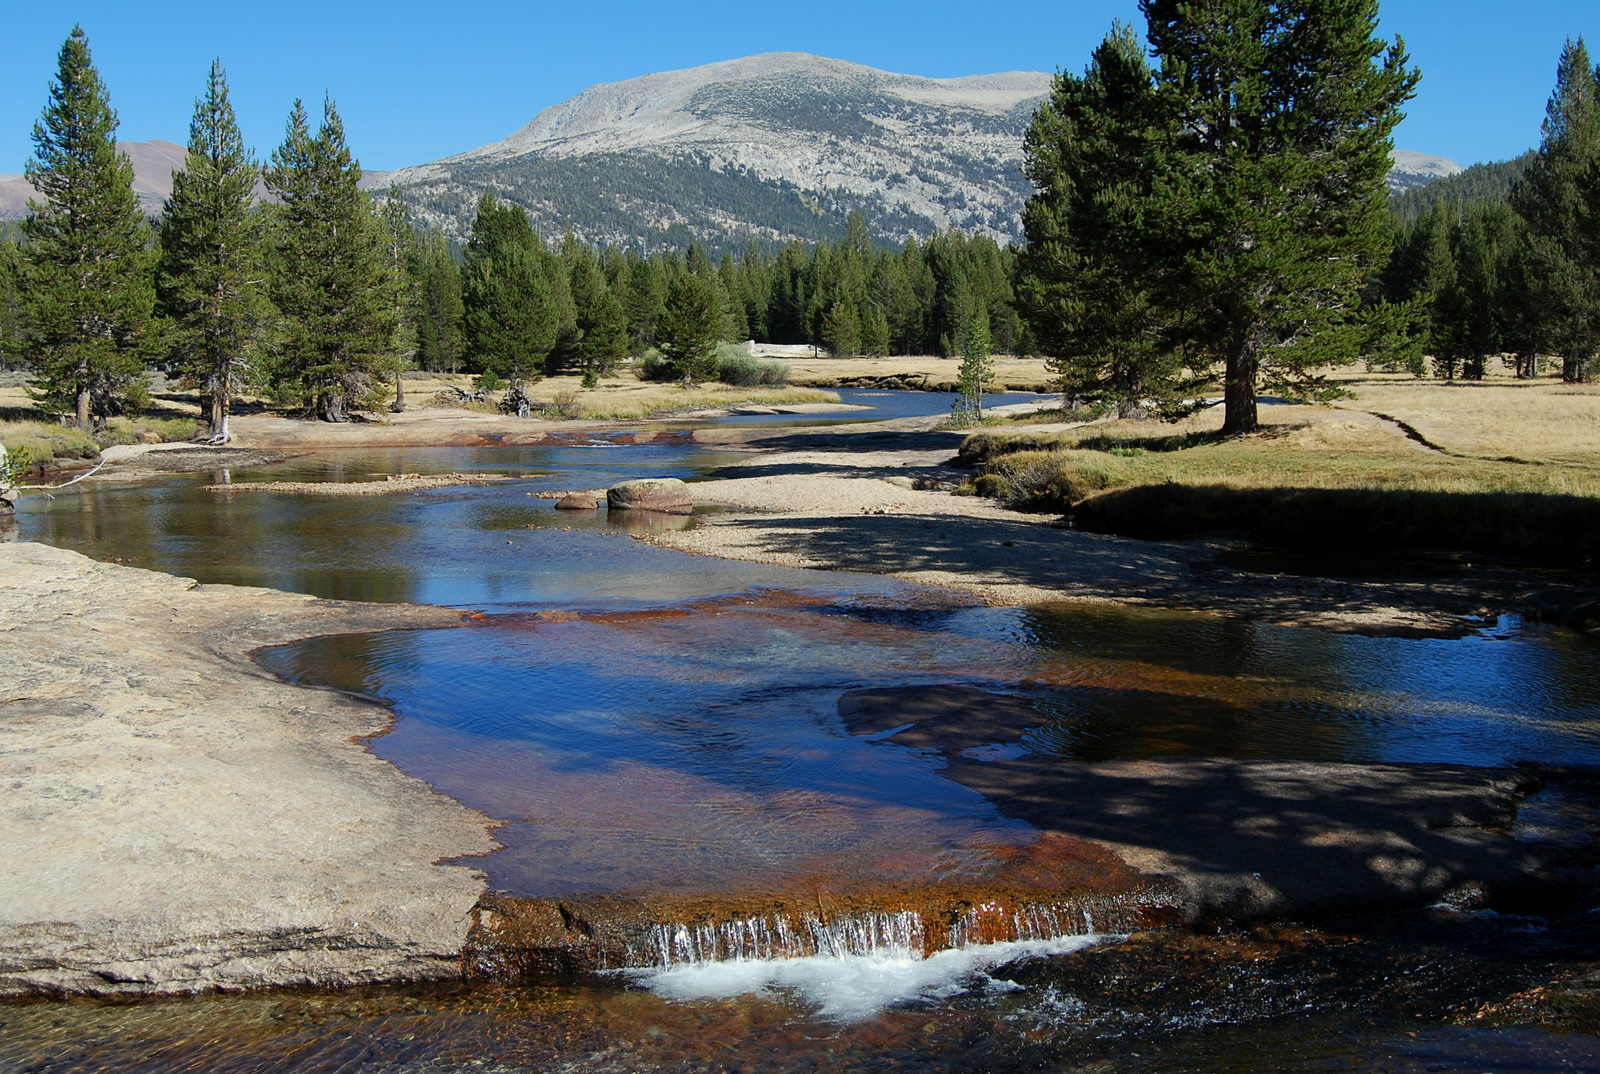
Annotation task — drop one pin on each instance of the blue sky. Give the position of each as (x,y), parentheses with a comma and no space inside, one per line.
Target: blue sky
(416,82)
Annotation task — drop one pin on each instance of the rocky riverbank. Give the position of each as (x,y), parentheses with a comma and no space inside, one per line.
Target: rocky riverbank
(176,819)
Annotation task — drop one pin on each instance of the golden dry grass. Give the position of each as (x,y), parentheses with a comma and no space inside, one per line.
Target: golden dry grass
(1541,420)
(1347,446)
(1015,374)
(626,398)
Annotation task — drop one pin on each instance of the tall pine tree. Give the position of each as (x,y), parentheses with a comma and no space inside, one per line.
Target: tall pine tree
(399,251)
(1555,201)
(512,319)
(87,282)
(1266,211)
(328,274)
(210,277)
(1085,275)
(438,310)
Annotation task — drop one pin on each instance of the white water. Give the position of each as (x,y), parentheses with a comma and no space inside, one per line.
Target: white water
(851,987)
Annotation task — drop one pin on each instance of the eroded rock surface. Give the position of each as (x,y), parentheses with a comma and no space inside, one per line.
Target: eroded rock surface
(176,819)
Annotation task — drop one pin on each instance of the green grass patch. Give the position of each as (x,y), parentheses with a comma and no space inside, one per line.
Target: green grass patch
(47,442)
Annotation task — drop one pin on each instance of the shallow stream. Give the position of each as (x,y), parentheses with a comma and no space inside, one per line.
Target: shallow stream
(647,721)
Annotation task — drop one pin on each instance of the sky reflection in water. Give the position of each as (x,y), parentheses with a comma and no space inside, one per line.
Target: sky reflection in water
(691,749)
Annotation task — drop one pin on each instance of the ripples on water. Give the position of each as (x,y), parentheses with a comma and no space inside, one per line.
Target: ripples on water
(676,727)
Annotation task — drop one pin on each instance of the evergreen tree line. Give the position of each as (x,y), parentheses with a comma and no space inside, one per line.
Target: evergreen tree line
(301,296)
(320,298)
(1514,277)
(517,307)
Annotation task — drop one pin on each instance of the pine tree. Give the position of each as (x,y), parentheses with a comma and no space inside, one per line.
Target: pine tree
(602,325)
(87,283)
(690,327)
(1275,190)
(976,369)
(436,280)
(1554,199)
(399,251)
(210,278)
(328,277)
(1086,282)
(841,331)
(10,305)
(511,320)
(1266,211)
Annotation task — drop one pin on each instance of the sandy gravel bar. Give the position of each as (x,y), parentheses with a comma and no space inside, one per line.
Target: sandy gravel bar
(388,486)
(176,819)
(848,500)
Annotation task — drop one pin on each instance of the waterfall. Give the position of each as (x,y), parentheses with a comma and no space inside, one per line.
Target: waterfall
(892,933)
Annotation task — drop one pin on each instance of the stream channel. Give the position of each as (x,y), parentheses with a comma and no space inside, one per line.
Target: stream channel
(644,721)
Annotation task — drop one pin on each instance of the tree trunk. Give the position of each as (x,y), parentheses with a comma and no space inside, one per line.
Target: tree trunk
(1239,390)
(399,406)
(1571,369)
(83,408)
(332,407)
(219,415)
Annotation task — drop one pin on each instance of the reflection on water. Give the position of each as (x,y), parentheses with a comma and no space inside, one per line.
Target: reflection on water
(481,547)
(647,720)
(699,747)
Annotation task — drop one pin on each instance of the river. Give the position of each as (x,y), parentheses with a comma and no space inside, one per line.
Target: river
(643,721)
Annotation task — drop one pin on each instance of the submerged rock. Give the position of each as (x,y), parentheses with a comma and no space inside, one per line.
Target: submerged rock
(666,494)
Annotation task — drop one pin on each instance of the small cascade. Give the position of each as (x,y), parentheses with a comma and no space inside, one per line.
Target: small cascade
(520,938)
(996,922)
(780,936)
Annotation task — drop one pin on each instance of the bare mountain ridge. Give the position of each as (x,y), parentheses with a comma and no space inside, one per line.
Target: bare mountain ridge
(153,164)
(777,147)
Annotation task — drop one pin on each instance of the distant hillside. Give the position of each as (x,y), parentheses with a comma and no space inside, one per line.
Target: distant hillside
(1479,183)
(153,164)
(777,147)
(1410,170)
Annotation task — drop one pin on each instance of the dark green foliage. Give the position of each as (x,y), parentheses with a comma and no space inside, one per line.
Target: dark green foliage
(601,323)
(976,369)
(10,305)
(329,278)
(1086,283)
(398,251)
(746,372)
(88,286)
(1556,201)
(690,327)
(210,278)
(436,310)
(511,317)
(1270,209)
(1241,184)
(1478,184)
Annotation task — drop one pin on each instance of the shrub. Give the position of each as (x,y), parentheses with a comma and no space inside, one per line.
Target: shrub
(742,370)
(490,381)
(653,366)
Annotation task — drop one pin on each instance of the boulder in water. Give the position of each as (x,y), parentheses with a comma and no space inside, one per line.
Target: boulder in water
(666,494)
(578,501)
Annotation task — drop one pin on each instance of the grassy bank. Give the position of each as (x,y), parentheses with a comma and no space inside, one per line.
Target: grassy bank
(626,398)
(45,443)
(1502,468)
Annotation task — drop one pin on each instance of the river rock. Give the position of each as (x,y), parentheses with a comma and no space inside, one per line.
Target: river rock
(666,494)
(578,501)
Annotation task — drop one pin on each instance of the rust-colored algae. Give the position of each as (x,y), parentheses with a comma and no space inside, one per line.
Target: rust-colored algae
(1057,886)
